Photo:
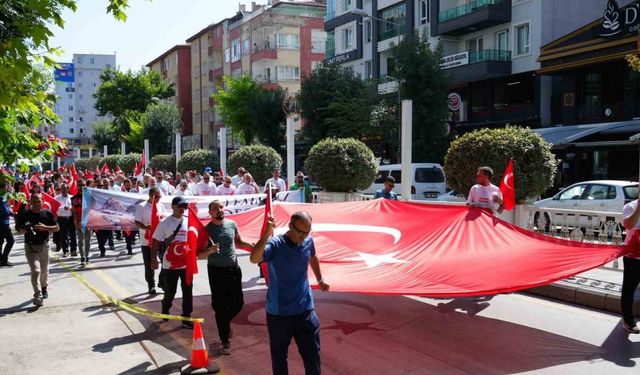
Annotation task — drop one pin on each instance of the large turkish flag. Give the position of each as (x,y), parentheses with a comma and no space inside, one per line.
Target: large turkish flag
(390,247)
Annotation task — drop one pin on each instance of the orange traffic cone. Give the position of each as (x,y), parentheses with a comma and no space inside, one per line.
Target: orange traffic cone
(200,363)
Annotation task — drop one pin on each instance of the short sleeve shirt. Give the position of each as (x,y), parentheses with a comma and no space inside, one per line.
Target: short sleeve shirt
(386,195)
(482,196)
(204,189)
(289,292)
(278,184)
(143,215)
(627,211)
(224,235)
(30,218)
(174,257)
(246,189)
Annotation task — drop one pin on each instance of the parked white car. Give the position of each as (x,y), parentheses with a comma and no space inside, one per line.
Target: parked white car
(427,180)
(452,196)
(601,195)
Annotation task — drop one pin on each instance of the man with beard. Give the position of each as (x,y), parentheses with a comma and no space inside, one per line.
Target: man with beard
(225,276)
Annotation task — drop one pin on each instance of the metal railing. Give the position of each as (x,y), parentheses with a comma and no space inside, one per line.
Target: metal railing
(470,7)
(393,31)
(577,225)
(489,55)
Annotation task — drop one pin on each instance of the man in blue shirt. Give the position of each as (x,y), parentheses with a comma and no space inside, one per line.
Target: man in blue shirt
(5,231)
(290,309)
(387,191)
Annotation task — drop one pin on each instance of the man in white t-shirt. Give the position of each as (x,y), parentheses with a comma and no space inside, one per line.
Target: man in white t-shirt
(206,187)
(183,189)
(142,217)
(276,182)
(239,178)
(164,185)
(631,277)
(172,234)
(484,194)
(227,187)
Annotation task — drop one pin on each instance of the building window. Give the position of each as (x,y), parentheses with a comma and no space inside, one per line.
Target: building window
(80,73)
(347,41)
(522,39)
(318,45)
(80,84)
(393,21)
(70,119)
(289,41)
(71,130)
(475,47)
(81,130)
(108,66)
(367,70)
(81,119)
(424,12)
(288,73)
(80,60)
(235,50)
(71,108)
(246,47)
(502,40)
(69,96)
(368,30)
(347,5)
(227,55)
(92,61)
(236,73)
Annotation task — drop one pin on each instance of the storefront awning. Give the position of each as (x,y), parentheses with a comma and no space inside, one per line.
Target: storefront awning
(563,136)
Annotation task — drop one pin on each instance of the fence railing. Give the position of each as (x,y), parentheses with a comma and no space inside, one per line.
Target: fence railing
(470,7)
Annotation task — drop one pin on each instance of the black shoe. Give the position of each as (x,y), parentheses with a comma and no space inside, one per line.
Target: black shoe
(74,254)
(45,294)
(6,263)
(86,260)
(102,254)
(165,313)
(129,252)
(187,324)
(630,327)
(152,291)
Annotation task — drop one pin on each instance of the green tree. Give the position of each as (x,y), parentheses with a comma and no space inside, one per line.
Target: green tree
(422,80)
(25,101)
(326,103)
(268,118)
(135,138)
(160,122)
(106,134)
(233,102)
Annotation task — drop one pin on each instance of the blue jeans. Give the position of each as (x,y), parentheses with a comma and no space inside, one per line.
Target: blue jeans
(305,329)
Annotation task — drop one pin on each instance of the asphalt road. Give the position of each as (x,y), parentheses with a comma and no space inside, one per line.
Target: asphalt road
(74,333)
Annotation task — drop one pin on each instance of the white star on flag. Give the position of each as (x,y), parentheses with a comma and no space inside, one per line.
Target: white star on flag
(373,260)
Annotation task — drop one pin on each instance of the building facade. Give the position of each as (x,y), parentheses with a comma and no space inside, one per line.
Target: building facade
(175,67)
(76,82)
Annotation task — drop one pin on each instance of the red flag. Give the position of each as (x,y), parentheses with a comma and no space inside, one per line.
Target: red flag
(154,221)
(197,239)
(63,168)
(73,183)
(136,170)
(25,190)
(221,172)
(141,163)
(52,192)
(88,175)
(268,212)
(118,170)
(50,204)
(508,188)
(98,174)
(105,169)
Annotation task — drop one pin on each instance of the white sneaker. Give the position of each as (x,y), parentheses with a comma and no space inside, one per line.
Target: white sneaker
(37,301)
(226,348)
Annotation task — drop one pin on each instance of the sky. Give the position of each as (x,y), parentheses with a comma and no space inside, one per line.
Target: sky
(152,27)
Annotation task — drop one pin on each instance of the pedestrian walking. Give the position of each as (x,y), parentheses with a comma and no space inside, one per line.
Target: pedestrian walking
(67,233)
(83,237)
(142,217)
(6,237)
(631,276)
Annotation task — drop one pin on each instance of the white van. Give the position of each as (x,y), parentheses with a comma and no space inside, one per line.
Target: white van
(427,180)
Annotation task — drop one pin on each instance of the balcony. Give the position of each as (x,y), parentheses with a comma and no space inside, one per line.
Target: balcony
(473,16)
(468,66)
(264,54)
(215,73)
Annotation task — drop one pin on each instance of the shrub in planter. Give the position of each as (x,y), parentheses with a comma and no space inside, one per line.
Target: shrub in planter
(534,165)
(112,161)
(164,163)
(341,165)
(87,164)
(259,160)
(128,163)
(198,160)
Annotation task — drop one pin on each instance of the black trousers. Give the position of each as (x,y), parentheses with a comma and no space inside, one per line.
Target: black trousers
(149,273)
(630,281)
(305,329)
(103,236)
(129,239)
(226,296)
(171,285)
(67,234)
(5,236)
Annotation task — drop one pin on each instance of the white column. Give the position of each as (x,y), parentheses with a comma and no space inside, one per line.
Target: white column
(291,156)
(407,111)
(178,149)
(147,157)
(105,151)
(123,147)
(58,162)
(223,149)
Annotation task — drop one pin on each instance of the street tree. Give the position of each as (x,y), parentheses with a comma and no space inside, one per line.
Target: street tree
(106,134)
(160,122)
(422,80)
(25,101)
(268,117)
(326,103)
(233,103)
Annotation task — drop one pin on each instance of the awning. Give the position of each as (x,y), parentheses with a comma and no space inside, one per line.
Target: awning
(563,136)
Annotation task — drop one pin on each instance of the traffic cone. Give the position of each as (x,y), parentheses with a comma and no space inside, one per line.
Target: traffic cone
(200,363)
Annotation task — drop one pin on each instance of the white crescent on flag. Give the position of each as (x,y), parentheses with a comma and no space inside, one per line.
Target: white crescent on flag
(506,180)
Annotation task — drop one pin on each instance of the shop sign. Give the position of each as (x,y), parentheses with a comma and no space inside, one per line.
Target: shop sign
(617,21)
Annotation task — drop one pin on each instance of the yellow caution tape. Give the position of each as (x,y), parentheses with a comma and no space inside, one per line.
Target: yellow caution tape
(107,299)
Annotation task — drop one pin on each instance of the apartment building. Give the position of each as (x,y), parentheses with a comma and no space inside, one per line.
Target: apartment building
(76,82)
(175,67)
(490,49)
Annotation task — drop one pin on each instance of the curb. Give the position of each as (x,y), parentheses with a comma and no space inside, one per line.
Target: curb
(584,296)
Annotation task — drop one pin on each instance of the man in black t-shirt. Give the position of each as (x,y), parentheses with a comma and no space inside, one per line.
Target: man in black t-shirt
(36,223)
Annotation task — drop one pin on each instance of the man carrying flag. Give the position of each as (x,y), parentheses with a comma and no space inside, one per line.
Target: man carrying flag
(146,217)
(225,276)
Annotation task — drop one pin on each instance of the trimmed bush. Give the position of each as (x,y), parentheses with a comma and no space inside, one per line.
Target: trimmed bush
(198,160)
(534,165)
(164,163)
(90,164)
(341,165)
(259,160)
(112,161)
(128,162)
